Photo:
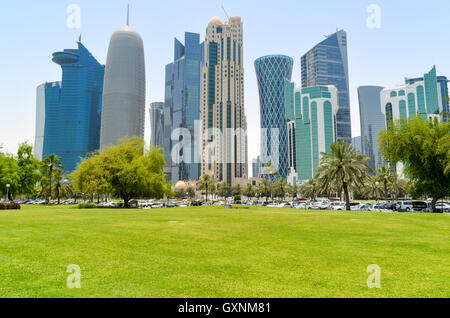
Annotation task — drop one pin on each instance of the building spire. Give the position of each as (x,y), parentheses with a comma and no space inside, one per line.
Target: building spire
(128,15)
(79,38)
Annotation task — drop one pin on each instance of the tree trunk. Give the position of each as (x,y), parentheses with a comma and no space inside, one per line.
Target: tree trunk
(347,197)
(58,194)
(395,182)
(386,191)
(126,202)
(50,177)
(433,204)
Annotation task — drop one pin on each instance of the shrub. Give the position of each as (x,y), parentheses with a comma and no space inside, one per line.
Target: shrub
(9,206)
(87,206)
(237,198)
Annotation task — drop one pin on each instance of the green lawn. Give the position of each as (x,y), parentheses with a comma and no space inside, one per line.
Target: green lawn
(213,252)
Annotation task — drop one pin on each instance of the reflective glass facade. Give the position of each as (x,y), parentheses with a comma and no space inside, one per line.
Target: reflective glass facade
(182,106)
(73,108)
(310,116)
(157,124)
(272,72)
(372,123)
(327,64)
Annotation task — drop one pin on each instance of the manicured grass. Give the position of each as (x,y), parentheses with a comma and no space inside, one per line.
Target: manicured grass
(213,252)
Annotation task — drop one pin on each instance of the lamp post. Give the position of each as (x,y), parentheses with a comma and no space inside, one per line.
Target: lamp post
(376,191)
(7,191)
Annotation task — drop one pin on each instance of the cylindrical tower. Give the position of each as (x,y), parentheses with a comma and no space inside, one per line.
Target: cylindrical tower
(123,113)
(272,71)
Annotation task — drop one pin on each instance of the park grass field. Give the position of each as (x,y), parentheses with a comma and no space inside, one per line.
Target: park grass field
(213,252)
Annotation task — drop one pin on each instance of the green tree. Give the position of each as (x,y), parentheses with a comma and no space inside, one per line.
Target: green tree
(130,171)
(223,190)
(444,149)
(264,188)
(236,190)
(58,177)
(280,188)
(293,190)
(28,169)
(249,191)
(391,148)
(190,192)
(310,189)
(385,177)
(9,174)
(424,160)
(49,164)
(345,166)
(373,188)
(207,184)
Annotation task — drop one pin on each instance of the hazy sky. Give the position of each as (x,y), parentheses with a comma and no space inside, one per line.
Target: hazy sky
(413,36)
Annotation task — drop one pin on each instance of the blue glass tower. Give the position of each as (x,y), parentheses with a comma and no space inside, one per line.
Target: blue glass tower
(272,71)
(182,106)
(327,64)
(73,109)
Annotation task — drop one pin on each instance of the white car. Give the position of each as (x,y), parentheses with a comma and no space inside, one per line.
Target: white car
(443,206)
(284,205)
(272,205)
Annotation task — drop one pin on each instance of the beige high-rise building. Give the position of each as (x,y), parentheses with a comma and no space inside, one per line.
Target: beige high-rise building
(224,124)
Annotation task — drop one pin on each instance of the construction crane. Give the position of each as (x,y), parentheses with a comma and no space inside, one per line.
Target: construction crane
(226,13)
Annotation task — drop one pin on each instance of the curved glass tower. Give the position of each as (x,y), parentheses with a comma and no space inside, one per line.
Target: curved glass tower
(70,110)
(123,113)
(272,71)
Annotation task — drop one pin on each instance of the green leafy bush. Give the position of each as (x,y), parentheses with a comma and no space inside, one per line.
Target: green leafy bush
(9,206)
(87,206)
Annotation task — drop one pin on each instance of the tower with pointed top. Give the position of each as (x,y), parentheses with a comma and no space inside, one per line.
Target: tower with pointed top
(224,124)
(123,113)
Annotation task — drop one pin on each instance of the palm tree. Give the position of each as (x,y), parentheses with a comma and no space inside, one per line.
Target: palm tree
(58,177)
(264,188)
(373,188)
(344,165)
(281,188)
(386,178)
(249,191)
(206,184)
(51,162)
(310,189)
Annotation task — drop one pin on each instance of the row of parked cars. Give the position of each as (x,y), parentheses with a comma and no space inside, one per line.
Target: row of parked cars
(404,206)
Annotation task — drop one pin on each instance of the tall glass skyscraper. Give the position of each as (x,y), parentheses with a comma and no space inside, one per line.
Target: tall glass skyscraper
(123,113)
(372,123)
(157,124)
(182,106)
(327,64)
(73,108)
(272,71)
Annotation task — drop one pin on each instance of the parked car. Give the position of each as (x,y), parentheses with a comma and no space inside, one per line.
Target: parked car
(442,207)
(171,205)
(285,205)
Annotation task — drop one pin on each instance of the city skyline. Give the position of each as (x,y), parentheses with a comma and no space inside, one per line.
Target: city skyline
(388,75)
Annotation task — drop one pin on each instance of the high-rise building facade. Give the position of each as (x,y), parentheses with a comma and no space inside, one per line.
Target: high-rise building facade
(372,123)
(271,72)
(224,124)
(47,98)
(182,104)
(356,142)
(123,112)
(425,97)
(72,107)
(256,167)
(311,115)
(327,64)
(157,124)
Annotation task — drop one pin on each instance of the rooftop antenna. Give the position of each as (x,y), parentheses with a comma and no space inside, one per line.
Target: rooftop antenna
(128,15)
(226,13)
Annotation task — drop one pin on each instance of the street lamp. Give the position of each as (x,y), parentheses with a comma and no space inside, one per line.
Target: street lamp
(7,191)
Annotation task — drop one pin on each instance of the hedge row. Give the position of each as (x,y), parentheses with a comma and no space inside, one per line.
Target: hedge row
(9,206)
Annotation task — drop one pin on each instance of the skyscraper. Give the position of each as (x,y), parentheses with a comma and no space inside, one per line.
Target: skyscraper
(47,98)
(182,101)
(372,123)
(224,124)
(124,90)
(311,115)
(327,64)
(72,107)
(272,71)
(426,97)
(156,124)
